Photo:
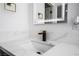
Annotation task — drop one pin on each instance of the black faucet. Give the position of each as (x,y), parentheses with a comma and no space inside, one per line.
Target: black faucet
(43,33)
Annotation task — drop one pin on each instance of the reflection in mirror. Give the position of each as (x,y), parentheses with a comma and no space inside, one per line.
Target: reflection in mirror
(56,11)
(48,11)
(53,11)
(59,11)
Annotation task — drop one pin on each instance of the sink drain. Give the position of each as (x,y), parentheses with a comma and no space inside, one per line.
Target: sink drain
(38,52)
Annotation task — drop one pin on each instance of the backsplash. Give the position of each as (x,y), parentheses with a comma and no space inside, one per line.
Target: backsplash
(8,36)
(14,25)
(20,24)
(54,31)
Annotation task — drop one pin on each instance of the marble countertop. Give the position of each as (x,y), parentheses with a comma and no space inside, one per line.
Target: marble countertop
(67,46)
(63,49)
(19,47)
(25,48)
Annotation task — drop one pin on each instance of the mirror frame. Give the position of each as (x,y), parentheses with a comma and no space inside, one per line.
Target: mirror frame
(43,21)
(65,15)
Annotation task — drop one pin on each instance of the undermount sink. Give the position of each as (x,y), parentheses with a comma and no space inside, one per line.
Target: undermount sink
(36,47)
(41,46)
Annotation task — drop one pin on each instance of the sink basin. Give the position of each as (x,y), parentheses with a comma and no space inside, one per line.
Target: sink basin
(36,47)
(41,46)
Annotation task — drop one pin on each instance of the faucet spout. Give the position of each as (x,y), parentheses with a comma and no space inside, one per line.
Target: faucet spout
(43,33)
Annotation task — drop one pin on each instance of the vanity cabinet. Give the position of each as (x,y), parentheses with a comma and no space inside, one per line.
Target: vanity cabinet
(4,52)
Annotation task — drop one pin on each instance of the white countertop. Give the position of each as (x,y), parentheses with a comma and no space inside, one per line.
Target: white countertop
(19,47)
(63,49)
(23,46)
(69,45)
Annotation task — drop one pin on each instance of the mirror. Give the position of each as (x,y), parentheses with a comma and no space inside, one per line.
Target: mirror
(53,11)
(48,13)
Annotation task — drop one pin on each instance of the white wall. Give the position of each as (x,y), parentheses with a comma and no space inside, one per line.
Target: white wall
(73,11)
(54,31)
(13,24)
